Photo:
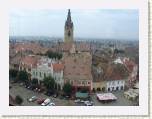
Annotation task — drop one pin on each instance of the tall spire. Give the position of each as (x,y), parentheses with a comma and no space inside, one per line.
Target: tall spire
(68,28)
(69,22)
(69,15)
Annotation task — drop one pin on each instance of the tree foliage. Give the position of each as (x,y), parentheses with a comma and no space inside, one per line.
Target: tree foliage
(34,81)
(23,76)
(18,100)
(13,73)
(49,83)
(67,88)
(55,55)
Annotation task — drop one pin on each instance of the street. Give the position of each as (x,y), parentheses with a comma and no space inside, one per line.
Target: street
(26,94)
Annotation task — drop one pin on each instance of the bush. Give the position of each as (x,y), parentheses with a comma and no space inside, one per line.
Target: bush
(23,76)
(67,88)
(18,100)
(49,83)
(55,55)
(13,73)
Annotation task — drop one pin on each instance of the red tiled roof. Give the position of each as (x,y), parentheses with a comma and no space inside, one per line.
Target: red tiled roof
(34,47)
(79,47)
(129,65)
(115,72)
(30,61)
(58,67)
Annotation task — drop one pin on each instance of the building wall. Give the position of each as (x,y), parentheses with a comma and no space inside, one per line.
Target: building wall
(101,85)
(44,71)
(40,72)
(58,76)
(80,83)
(68,38)
(115,85)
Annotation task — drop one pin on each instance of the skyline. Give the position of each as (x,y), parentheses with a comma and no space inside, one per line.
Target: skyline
(102,24)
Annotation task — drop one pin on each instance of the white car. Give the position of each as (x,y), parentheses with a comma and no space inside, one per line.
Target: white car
(82,101)
(77,100)
(51,104)
(88,103)
(32,99)
(46,102)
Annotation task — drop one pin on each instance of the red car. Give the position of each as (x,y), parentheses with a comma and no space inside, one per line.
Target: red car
(40,100)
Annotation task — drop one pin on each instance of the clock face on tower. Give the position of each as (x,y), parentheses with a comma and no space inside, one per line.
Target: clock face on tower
(69,33)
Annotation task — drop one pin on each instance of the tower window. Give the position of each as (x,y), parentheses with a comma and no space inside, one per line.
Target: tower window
(69,33)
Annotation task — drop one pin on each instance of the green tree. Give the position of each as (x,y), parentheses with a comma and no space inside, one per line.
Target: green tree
(13,73)
(67,88)
(18,100)
(49,83)
(23,76)
(34,82)
(51,54)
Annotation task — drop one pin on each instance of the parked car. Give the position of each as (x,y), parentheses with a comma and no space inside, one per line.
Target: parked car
(46,102)
(40,90)
(21,84)
(40,100)
(77,100)
(49,93)
(55,95)
(28,87)
(82,101)
(88,103)
(35,89)
(51,104)
(32,99)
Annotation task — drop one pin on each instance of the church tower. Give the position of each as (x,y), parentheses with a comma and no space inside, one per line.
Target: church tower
(68,29)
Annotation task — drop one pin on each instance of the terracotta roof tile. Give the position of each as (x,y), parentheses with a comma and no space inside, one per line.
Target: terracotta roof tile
(30,61)
(58,67)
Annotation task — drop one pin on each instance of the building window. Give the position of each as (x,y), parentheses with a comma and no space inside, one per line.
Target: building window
(40,74)
(83,82)
(44,75)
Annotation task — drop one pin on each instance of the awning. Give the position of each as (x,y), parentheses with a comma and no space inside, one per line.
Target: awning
(81,95)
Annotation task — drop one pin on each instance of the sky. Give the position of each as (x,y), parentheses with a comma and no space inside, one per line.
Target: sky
(94,23)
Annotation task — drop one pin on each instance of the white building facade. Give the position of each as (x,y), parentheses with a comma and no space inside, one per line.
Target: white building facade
(58,77)
(46,68)
(41,71)
(114,85)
